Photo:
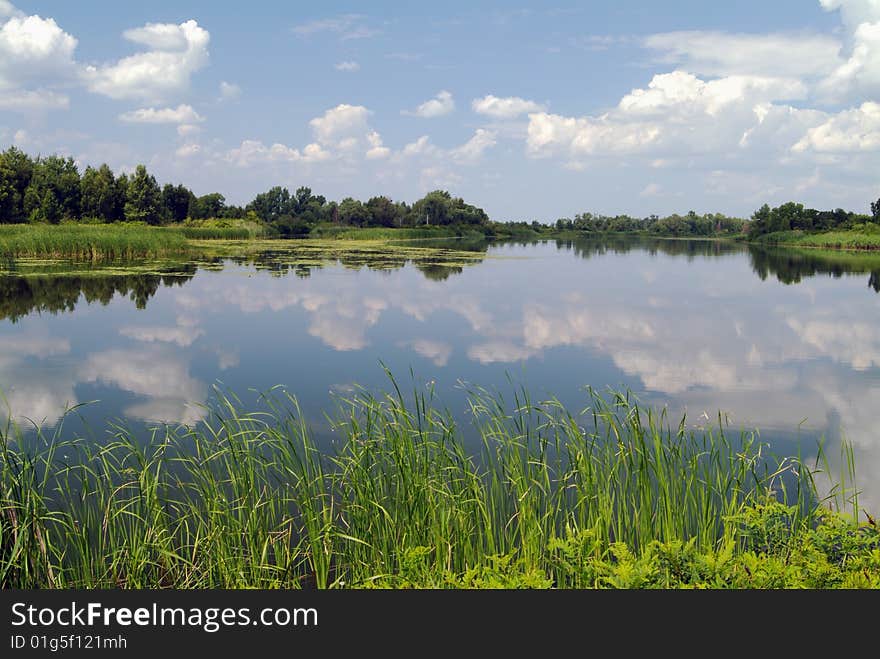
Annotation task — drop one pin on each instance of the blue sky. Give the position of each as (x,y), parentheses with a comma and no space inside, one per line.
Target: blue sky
(530,111)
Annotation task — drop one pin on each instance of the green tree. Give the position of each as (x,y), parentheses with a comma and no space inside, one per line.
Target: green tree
(16,170)
(383,212)
(308,208)
(207,206)
(760,220)
(352,212)
(176,202)
(462,213)
(432,209)
(271,205)
(53,193)
(143,199)
(301,199)
(101,195)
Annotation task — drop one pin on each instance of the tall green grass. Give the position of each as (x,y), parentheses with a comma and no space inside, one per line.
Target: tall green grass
(222,229)
(89,242)
(215,233)
(382,233)
(248,499)
(861,239)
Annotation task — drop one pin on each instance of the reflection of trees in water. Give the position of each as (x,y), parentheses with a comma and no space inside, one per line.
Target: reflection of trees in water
(588,248)
(20,296)
(791,266)
(438,272)
(433,266)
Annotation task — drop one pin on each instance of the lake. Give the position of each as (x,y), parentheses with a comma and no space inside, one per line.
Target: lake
(780,341)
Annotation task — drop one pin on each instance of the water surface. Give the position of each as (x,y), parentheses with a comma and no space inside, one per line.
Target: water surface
(786,342)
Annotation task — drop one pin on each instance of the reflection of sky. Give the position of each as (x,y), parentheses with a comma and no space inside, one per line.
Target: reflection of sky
(702,334)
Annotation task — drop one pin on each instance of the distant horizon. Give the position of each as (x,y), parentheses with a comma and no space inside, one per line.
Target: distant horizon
(530,113)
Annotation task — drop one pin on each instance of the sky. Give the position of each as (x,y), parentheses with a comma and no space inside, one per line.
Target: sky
(532,111)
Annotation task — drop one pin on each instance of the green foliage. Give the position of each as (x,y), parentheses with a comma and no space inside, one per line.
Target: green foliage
(177,201)
(272,205)
(867,238)
(16,170)
(382,233)
(617,499)
(223,229)
(209,205)
(674,225)
(385,213)
(353,213)
(143,199)
(90,242)
(23,295)
(53,192)
(441,208)
(102,194)
(50,190)
(792,216)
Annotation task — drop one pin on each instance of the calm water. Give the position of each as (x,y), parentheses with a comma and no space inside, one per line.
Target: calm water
(779,341)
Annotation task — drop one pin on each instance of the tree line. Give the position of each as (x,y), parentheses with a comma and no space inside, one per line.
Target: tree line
(51,189)
(793,216)
(709,224)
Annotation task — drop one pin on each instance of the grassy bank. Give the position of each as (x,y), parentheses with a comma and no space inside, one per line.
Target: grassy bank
(220,229)
(97,242)
(325,231)
(89,242)
(248,500)
(849,239)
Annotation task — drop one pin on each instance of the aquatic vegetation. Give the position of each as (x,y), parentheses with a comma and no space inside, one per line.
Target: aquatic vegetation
(618,497)
(90,242)
(842,239)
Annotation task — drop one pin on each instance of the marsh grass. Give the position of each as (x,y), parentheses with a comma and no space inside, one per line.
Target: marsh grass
(90,242)
(857,239)
(106,242)
(215,233)
(222,229)
(248,499)
(325,231)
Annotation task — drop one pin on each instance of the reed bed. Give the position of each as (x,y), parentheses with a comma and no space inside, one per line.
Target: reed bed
(842,240)
(382,233)
(90,242)
(216,233)
(846,239)
(618,496)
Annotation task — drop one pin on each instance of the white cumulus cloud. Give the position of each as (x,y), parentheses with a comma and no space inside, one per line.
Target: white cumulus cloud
(442,104)
(717,53)
(505,108)
(34,48)
(182,114)
(340,122)
(848,131)
(677,113)
(175,53)
(376,150)
(475,147)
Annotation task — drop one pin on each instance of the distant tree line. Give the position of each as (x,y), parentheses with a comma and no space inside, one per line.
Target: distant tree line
(297,213)
(51,189)
(793,216)
(709,224)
